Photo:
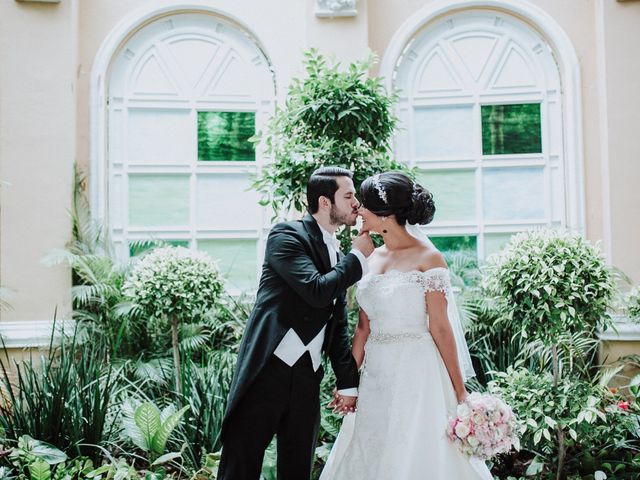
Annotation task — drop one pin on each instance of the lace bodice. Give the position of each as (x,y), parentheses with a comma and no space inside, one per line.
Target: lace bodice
(395,301)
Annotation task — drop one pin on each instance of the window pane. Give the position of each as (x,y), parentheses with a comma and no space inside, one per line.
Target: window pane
(136,248)
(224,136)
(158,200)
(225,202)
(511,129)
(494,242)
(159,136)
(444,131)
(463,243)
(236,258)
(513,193)
(454,192)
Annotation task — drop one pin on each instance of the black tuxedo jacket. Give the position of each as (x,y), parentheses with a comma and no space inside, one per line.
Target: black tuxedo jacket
(297,290)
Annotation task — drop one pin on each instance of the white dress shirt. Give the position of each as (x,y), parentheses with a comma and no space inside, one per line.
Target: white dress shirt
(291,347)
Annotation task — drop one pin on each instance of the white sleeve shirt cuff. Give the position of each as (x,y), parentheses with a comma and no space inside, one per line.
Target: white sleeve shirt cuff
(363,260)
(349,392)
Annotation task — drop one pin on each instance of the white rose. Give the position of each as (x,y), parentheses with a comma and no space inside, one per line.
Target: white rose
(462,430)
(479,418)
(464,411)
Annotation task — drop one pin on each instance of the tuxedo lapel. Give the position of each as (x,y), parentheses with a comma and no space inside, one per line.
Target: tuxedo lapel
(317,243)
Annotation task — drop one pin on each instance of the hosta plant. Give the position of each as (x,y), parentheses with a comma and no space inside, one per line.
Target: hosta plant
(149,429)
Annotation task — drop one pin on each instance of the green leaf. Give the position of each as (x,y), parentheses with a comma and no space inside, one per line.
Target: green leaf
(39,470)
(550,421)
(147,418)
(537,437)
(164,432)
(47,452)
(167,457)
(535,467)
(99,471)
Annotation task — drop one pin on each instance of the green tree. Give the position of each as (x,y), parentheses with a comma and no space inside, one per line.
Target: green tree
(332,117)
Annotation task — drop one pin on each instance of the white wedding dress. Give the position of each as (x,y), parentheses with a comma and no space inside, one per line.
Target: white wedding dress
(405,393)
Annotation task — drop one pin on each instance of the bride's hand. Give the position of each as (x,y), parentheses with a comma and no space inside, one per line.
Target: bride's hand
(462,396)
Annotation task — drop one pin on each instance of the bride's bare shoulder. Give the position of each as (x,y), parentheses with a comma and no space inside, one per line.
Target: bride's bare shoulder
(430,257)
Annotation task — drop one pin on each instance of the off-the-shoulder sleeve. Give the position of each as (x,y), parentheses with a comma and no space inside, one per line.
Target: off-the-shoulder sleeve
(435,280)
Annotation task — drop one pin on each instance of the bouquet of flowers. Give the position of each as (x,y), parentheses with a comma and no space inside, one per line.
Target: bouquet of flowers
(484,426)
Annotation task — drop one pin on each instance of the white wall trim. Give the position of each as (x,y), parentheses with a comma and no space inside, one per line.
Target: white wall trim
(110,46)
(603,116)
(568,64)
(627,331)
(32,333)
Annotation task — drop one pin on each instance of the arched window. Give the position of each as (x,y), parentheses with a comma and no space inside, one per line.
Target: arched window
(185,94)
(481,113)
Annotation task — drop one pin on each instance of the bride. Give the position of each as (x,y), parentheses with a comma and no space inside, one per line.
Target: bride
(410,346)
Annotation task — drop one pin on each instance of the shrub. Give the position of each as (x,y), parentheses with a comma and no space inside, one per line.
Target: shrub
(554,282)
(557,291)
(175,284)
(633,304)
(600,428)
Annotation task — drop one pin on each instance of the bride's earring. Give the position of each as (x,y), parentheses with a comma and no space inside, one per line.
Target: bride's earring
(384,230)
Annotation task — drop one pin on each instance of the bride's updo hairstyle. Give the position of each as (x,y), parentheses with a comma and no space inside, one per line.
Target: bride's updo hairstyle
(394,193)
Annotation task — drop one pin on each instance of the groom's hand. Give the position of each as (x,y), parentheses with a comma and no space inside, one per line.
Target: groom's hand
(363,243)
(333,404)
(342,404)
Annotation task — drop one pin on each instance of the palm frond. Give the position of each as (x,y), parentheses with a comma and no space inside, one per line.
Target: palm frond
(4,294)
(157,370)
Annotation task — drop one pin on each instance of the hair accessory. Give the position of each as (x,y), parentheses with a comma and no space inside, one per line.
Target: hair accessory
(378,186)
(415,192)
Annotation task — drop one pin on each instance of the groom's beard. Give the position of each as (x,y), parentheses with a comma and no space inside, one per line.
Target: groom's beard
(339,218)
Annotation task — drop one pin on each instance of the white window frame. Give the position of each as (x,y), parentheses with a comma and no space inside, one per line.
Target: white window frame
(568,66)
(103,108)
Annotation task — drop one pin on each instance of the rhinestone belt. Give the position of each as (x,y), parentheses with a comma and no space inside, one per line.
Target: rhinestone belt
(380,337)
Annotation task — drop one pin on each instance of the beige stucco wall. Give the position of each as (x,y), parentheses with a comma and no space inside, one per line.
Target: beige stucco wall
(610,352)
(37,149)
(621,31)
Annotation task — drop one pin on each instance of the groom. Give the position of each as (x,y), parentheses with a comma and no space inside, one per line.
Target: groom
(300,311)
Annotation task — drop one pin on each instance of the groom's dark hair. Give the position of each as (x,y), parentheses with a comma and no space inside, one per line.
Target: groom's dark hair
(322,183)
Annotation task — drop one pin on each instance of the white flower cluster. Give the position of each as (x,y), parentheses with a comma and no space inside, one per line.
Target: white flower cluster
(175,281)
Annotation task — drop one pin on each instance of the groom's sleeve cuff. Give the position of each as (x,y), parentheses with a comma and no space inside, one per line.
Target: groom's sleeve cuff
(363,260)
(349,392)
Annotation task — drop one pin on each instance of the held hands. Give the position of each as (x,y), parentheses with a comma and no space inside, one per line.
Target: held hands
(342,404)
(363,243)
